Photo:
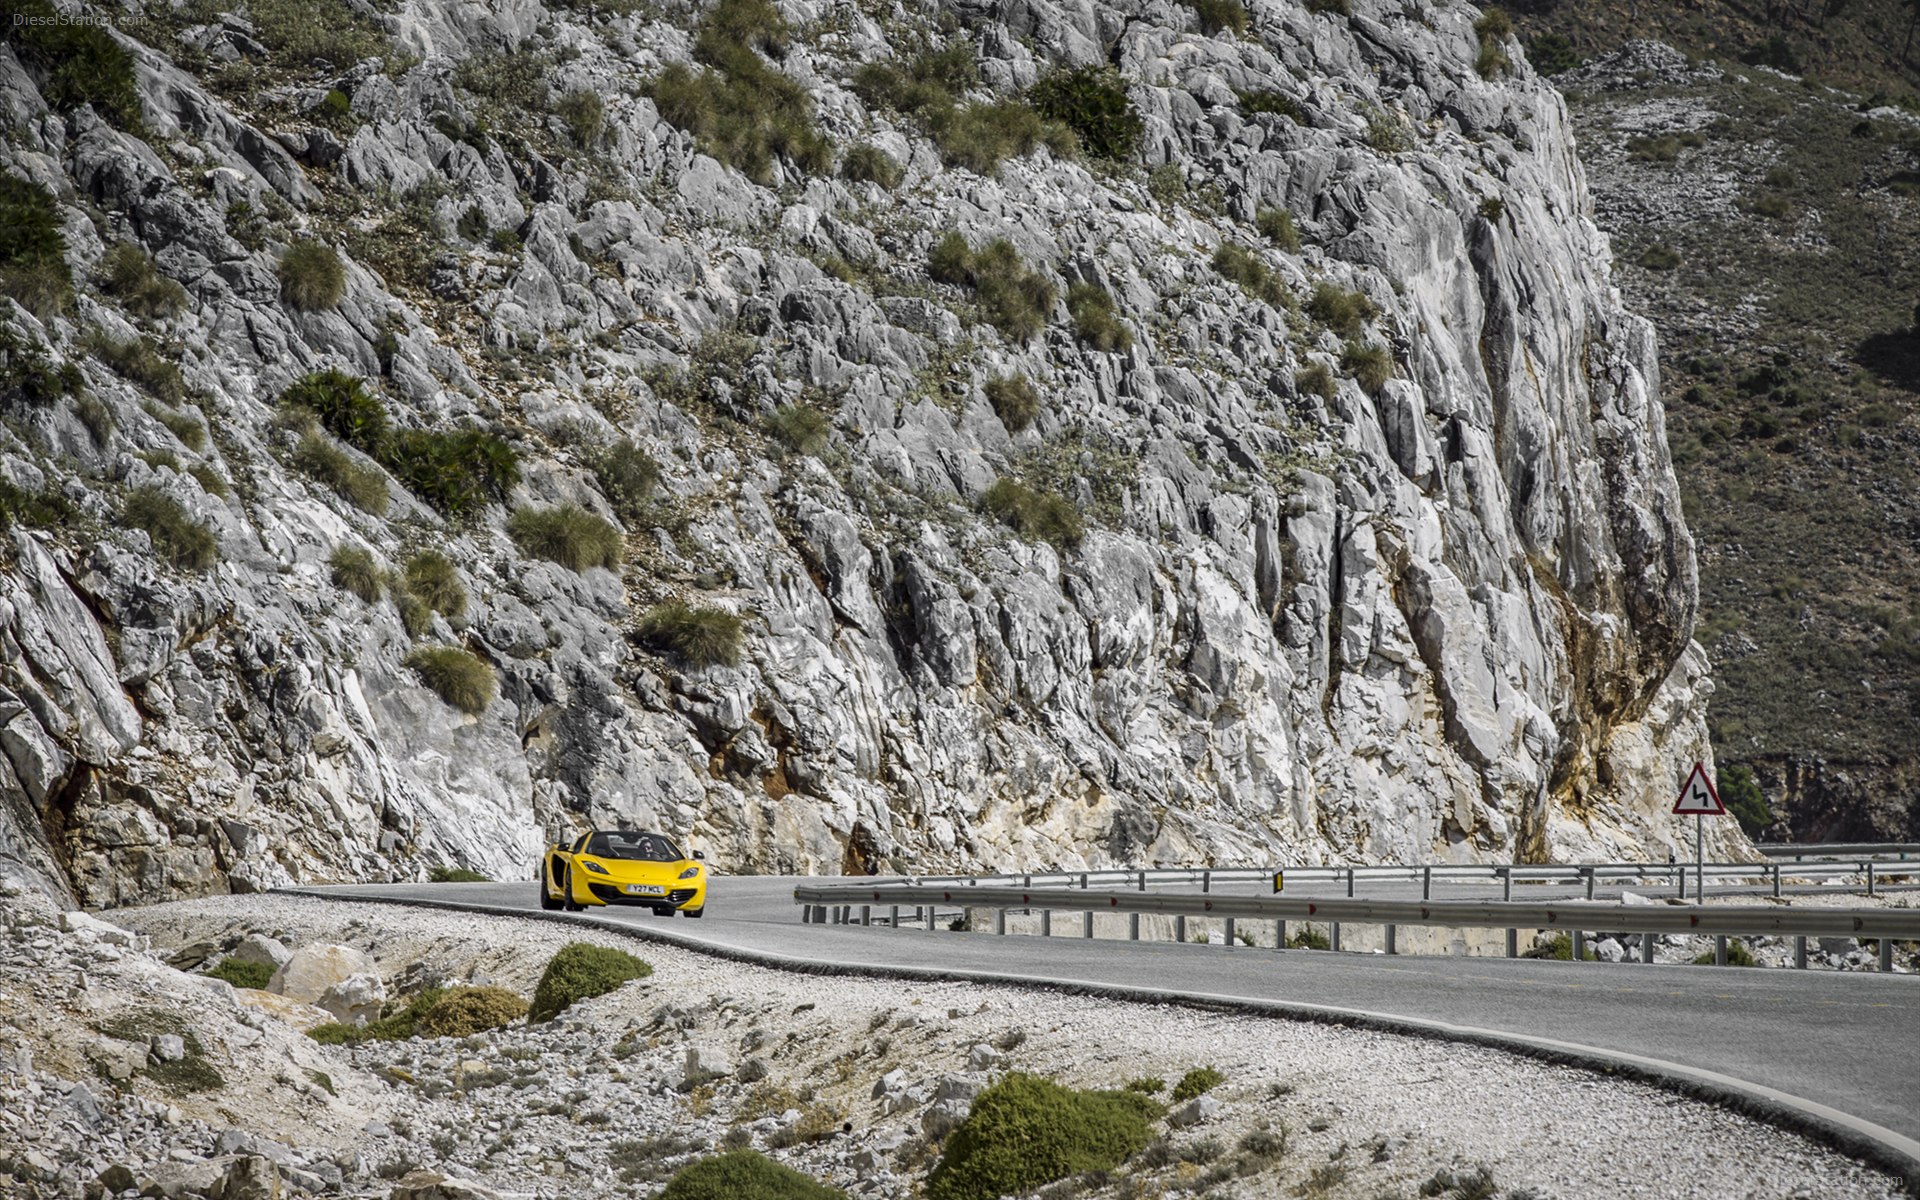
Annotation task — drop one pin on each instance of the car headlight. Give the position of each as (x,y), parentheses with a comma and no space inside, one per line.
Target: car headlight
(690,872)
(595,867)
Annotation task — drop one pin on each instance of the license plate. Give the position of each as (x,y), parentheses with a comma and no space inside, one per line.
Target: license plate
(645,889)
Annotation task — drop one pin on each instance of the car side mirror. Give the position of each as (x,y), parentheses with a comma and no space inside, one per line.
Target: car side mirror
(700,854)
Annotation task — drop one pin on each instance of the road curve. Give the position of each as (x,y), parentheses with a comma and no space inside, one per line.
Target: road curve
(1828,1053)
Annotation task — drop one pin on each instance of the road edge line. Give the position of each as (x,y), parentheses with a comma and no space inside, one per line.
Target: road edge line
(1853,1136)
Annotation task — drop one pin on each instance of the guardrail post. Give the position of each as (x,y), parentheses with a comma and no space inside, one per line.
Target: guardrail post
(1506,886)
(1133,926)
(1391,947)
(893,917)
(866,915)
(1087,925)
(1776,880)
(1719,949)
(1143,879)
(1335,926)
(1674,868)
(1230,932)
(999,920)
(1869,879)
(1026,881)
(1046,922)
(1083,881)
(1647,943)
(1180,928)
(1206,881)
(1588,872)
(1800,952)
(1349,883)
(806,914)
(1579,945)
(1426,890)
(1513,943)
(1279,935)
(1886,954)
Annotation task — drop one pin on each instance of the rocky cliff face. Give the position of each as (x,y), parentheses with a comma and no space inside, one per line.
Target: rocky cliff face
(1395,574)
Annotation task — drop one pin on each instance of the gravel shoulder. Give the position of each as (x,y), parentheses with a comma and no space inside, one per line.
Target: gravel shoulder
(851,1080)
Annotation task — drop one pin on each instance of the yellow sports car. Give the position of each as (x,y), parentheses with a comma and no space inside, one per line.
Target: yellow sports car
(618,866)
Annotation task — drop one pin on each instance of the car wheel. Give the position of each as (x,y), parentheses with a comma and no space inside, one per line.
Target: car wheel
(546,894)
(695,912)
(566,892)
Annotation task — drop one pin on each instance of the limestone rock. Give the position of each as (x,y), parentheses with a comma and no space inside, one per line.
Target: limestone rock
(312,970)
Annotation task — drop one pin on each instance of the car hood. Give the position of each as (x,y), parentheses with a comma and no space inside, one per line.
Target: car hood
(626,870)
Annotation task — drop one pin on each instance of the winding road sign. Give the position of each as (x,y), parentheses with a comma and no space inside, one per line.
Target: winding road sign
(1697,797)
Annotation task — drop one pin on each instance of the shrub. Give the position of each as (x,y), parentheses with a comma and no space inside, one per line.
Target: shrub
(740,110)
(1167,185)
(585,115)
(1254,277)
(744,1175)
(210,480)
(96,416)
(1387,133)
(1014,401)
(1150,1085)
(800,429)
(183,425)
(303,32)
(699,637)
(1371,366)
(1492,209)
(870,164)
(33,250)
(1025,1132)
(127,272)
(397,1025)
(1737,956)
(1219,16)
(321,457)
(184,543)
(352,568)
(27,375)
(431,578)
(1309,938)
(35,510)
(1560,948)
(74,63)
(925,84)
(1659,257)
(343,406)
(628,477)
(1276,225)
(581,971)
(312,277)
(253,975)
(1093,102)
(1198,1081)
(1665,147)
(1034,514)
(463,1012)
(568,535)
(1012,298)
(457,676)
(1342,8)
(1552,54)
(1744,799)
(456,472)
(980,135)
(1269,101)
(1494,29)
(1342,311)
(1094,320)
(139,361)
(455,875)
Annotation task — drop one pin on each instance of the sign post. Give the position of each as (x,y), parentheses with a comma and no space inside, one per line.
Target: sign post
(1699,798)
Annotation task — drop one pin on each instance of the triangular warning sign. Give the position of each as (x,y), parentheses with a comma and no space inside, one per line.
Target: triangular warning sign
(1697,797)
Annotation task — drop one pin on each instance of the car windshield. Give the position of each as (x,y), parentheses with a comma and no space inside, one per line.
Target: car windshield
(646,847)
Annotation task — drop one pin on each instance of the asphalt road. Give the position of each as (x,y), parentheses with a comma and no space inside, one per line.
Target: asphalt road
(1842,1048)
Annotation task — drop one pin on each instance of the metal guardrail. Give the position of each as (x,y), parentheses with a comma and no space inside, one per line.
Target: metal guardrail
(1817,850)
(837,902)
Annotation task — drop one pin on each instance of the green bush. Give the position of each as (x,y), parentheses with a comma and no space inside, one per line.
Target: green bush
(1167,185)
(343,406)
(1269,101)
(740,110)
(128,273)
(210,480)
(34,510)
(628,477)
(1148,1085)
(1387,133)
(1220,16)
(1343,8)
(1492,209)
(457,472)
(463,1012)
(1196,1082)
(1094,320)
(925,85)
(1309,938)
(74,63)
(1014,401)
(455,875)
(1315,379)
(1559,947)
(581,971)
(568,535)
(1255,278)
(1012,298)
(1025,1132)
(1495,29)
(352,568)
(303,33)
(699,637)
(400,1023)
(1552,54)
(1344,312)
(1371,366)
(243,974)
(870,164)
(184,425)
(140,361)
(1276,225)
(1034,514)
(800,429)
(1744,799)
(584,114)
(1093,102)
(1737,956)
(980,135)
(321,457)
(28,376)
(182,542)
(457,676)
(1659,257)
(33,250)
(744,1175)
(312,277)
(431,578)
